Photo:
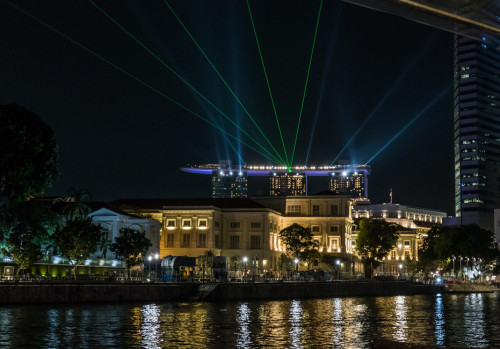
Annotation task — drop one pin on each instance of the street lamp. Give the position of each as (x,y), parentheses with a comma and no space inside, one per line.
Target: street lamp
(296,260)
(338,269)
(245,260)
(156,265)
(149,269)
(401,269)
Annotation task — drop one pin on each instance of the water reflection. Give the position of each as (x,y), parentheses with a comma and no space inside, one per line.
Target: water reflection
(296,324)
(439,330)
(400,314)
(150,328)
(445,320)
(243,320)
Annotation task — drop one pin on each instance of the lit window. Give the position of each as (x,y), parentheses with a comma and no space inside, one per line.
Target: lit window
(170,224)
(202,224)
(186,224)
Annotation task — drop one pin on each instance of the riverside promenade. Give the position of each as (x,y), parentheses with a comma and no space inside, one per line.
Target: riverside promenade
(76,292)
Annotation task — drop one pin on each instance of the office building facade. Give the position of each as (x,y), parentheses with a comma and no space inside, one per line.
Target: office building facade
(477,123)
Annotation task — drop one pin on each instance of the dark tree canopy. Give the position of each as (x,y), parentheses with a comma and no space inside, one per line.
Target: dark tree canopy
(28,153)
(375,239)
(297,239)
(131,247)
(442,243)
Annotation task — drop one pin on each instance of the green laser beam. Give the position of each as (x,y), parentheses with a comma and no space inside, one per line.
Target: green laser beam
(267,80)
(222,79)
(307,80)
(177,75)
(83,47)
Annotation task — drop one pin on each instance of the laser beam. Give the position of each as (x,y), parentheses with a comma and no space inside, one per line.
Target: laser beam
(130,75)
(415,118)
(384,98)
(220,76)
(267,79)
(177,74)
(307,80)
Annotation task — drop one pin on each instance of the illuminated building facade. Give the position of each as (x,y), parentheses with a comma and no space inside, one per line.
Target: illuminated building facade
(476,119)
(248,228)
(354,184)
(284,185)
(230,181)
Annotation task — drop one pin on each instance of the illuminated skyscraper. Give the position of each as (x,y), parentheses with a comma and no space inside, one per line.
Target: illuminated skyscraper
(284,184)
(229,186)
(353,184)
(477,121)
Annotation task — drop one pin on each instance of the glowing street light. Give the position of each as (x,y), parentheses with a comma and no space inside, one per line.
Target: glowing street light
(296,260)
(245,260)
(156,265)
(338,268)
(149,271)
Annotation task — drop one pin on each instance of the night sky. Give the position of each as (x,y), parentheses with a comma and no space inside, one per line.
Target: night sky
(119,139)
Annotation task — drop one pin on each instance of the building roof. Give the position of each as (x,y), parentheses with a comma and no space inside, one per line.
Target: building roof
(158,203)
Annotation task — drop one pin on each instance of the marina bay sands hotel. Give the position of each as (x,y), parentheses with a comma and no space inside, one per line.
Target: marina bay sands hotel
(230,181)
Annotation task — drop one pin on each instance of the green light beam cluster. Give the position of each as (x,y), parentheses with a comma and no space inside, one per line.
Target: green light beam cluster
(307,80)
(267,81)
(88,50)
(223,80)
(182,79)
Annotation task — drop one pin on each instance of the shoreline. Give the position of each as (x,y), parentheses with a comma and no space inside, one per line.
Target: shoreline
(43,293)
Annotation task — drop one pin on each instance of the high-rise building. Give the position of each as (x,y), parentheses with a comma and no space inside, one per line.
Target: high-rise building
(229,185)
(354,184)
(285,185)
(477,121)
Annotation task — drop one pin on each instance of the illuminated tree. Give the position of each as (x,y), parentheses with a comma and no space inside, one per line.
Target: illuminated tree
(206,262)
(297,239)
(76,206)
(375,239)
(77,240)
(131,247)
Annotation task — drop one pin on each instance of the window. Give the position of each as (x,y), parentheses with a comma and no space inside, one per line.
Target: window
(315,228)
(216,224)
(170,240)
(217,241)
(186,224)
(202,224)
(315,210)
(186,240)
(234,241)
(393,254)
(255,242)
(293,210)
(202,240)
(407,243)
(255,225)
(334,210)
(170,224)
(334,244)
(334,228)
(234,225)
(407,255)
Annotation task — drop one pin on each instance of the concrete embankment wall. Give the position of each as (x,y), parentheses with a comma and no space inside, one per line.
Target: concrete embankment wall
(79,293)
(319,290)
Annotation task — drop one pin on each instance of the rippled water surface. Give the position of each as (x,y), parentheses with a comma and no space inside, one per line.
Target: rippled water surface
(449,320)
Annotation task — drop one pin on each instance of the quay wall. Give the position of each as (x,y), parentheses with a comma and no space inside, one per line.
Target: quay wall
(114,292)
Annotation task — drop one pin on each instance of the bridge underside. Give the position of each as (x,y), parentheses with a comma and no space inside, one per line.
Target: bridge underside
(471,18)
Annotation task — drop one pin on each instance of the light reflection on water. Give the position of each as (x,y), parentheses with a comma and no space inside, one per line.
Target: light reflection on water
(443,320)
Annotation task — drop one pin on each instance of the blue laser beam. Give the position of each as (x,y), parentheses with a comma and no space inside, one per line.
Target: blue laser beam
(385,98)
(415,118)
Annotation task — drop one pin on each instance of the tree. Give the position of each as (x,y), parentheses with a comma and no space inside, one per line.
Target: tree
(375,239)
(77,240)
(28,154)
(236,263)
(442,244)
(309,257)
(76,206)
(285,264)
(131,246)
(206,261)
(297,239)
(28,228)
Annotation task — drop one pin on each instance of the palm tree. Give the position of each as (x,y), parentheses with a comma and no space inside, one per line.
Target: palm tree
(75,203)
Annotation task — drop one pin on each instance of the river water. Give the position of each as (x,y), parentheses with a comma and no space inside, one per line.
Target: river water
(471,320)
